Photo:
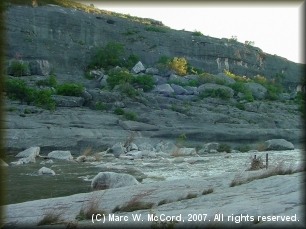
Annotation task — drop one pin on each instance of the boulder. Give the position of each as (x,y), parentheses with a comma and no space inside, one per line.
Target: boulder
(45,171)
(117,149)
(24,160)
(68,101)
(223,77)
(166,147)
(152,71)
(107,180)
(97,74)
(40,67)
(278,144)
(210,148)
(191,90)
(138,68)
(252,106)
(165,89)
(86,95)
(159,80)
(2,163)
(103,81)
(258,91)
(132,146)
(183,151)
(145,146)
(32,151)
(59,154)
(178,90)
(81,158)
(175,78)
(46,162)
(135,154)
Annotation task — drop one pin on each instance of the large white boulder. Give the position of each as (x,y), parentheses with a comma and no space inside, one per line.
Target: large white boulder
(138,68)
(59,154)
(32,151)
(278,144)
(106,180)
(45,171)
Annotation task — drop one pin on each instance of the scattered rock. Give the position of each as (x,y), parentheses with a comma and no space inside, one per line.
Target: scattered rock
(47,171)
(24,160)
(192,160)
(178,90)
(152,71)
(135,154)
(40,67)
(165,89)
(46,162)
(166,147)
(278,144)
(258,91)
(106,180)
(58,154)
(117,150)
(183,152)
(138,68)
(68,101)
(30,152)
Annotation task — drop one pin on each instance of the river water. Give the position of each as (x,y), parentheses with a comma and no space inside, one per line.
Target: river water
(24,184)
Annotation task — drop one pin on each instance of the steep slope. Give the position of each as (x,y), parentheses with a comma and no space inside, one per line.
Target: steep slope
(67,38)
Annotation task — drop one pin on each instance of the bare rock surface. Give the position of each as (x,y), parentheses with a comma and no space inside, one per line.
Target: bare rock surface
(282,199)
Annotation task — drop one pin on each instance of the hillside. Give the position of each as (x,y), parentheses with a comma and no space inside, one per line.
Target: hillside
(58,43)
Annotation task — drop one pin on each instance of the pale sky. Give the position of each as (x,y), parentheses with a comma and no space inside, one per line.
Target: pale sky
(274,27)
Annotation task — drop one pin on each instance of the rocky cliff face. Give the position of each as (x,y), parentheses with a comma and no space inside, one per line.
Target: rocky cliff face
(67,38)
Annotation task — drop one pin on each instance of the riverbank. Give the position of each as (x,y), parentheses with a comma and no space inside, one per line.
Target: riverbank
(190,199)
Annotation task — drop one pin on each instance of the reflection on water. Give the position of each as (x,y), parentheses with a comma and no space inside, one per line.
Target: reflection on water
(24,184)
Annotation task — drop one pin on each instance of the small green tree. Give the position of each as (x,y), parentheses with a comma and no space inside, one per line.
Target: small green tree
(108,56)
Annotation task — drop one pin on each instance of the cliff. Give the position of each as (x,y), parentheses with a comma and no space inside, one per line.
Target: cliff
(67,38)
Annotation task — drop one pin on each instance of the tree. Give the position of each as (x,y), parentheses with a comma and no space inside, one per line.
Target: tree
(179,65)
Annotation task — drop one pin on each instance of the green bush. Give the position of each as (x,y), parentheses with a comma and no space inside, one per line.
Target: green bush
(116,77)
(99,106)
(69,89)
(107,57)
(18,68)
(87,75)
(43,99)
(50,82)
(131,61)
(155,29)
(146,82)
(163,60)
(224,148)
(243,148)
(222,93)
(240,87)
(194,70)
(119,111)
(128,89)
(240,106)
(197,33)
(129,115)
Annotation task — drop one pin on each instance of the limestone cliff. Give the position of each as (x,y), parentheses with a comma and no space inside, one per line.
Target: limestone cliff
(67,37)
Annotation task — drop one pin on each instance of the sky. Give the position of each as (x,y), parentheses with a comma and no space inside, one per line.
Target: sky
(274,27)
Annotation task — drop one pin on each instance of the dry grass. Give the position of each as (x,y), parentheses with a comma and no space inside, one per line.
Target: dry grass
(256,163)
(175,152)
(129,139)
(260,146)
(50,218)
(191,195)
(278,169)
(92,207)
(87,151)
(135,203)
(207,191)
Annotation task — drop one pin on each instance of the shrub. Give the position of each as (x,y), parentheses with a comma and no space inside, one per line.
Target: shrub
(49,218)
(197,33)
(18,68)
(119,111)
(155,29)
(163,60)
(99,106)
(243,148)
(179,65)
(130,32)
(69,89)
(43,99)
(222,93)
(129,90)
(88,76)
(108,56)
(117,77)
(146,82)
(224,148)
(194,70)
(129,115)
(131,61)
